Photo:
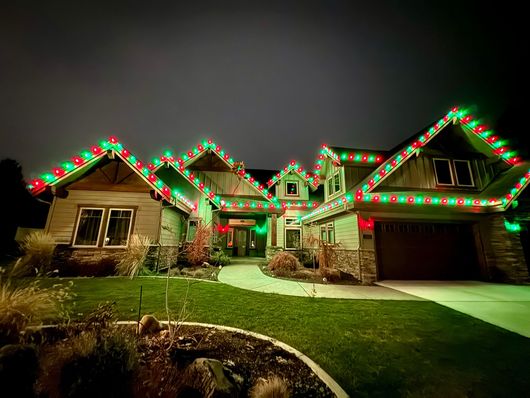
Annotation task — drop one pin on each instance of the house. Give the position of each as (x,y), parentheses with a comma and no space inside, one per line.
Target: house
(441,205)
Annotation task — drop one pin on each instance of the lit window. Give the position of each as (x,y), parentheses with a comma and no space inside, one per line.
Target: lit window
(118,227)
(290,221)
(230,239)
(292,238)
(88,227)
(327,233)
(291,188)
(463,173)
(334,182)
(444,174)
(252,239)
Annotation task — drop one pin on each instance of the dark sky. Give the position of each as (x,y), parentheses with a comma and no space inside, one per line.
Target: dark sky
(270,81)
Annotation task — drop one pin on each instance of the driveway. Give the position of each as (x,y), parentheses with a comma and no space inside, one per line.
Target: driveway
(507,306)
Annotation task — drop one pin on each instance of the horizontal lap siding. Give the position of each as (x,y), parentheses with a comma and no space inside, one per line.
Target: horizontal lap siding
(64,216)
(347,232)
(171,229)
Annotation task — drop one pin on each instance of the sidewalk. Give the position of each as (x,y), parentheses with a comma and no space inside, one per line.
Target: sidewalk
(246,274)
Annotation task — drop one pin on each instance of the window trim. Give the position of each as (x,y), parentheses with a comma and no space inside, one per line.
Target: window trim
(297,222)
(299,229)
(109,210)
(79,212)
(196,219)
(450,172)
(326,228)
(331,178)
(297,188)
(470,173)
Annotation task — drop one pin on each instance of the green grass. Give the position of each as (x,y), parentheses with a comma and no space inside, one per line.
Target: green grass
(371,347)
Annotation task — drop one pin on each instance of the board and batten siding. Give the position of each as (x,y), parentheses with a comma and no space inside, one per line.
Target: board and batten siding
(62,221)
(171,227)
(230,184)
(347,231)
(303,189)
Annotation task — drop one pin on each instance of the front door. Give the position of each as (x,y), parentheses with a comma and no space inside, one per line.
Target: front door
(242,242)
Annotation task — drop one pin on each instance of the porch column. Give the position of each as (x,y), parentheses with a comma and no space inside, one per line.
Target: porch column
(273,230)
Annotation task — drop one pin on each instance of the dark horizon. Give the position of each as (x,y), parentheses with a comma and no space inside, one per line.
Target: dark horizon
(270,82)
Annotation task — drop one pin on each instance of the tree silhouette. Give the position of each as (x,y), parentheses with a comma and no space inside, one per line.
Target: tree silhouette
(17,207)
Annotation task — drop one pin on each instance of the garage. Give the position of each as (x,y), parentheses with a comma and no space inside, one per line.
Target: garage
(426,250)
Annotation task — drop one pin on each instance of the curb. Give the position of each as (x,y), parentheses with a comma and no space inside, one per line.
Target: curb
(321,373)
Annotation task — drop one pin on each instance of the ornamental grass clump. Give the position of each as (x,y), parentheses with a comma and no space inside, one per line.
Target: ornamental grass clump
(133,259)
(283,262)
(274,387)
(38,248)
(21,306)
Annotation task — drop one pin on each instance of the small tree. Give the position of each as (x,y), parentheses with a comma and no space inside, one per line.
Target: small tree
(197,250)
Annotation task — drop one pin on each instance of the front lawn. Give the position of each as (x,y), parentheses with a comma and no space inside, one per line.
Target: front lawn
(371,347)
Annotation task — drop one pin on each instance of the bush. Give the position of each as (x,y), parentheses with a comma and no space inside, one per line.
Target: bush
(103,267)
(134,256)
(197,249)
(220,258)
(20,306)
(38,248)
(90,365)
(271,388)
(283,262)
(18,370)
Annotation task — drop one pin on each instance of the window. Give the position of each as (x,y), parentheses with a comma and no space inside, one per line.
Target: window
(230,239)
(453,172)
(463,173)
(293,238)
(118,227)
(291,188)
(291,221)
(327,232)
(116,224)
(88,227)
(334,182)
(444,175)
(252,244)
(192,229)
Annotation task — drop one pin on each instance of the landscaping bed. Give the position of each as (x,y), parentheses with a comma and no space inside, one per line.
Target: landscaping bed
(88,359)
(311,276)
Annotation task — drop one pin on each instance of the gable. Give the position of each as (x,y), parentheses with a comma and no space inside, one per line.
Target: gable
(80,165)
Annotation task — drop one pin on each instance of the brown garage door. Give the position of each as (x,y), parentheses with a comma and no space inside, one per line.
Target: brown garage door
(425,251)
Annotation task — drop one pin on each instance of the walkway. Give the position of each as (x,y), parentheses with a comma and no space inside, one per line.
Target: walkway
(506,306)
(245,274)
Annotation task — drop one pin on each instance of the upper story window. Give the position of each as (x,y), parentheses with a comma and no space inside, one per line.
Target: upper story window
(453,172)
(334,182)
(291,188)
(117,224)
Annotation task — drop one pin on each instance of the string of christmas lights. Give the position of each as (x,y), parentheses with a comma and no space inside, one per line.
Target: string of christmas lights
(87,157)
(298,169)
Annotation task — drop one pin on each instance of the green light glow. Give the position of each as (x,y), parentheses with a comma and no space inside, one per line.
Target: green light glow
(512,227)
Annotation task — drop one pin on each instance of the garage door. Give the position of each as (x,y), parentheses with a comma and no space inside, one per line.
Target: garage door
(425,251)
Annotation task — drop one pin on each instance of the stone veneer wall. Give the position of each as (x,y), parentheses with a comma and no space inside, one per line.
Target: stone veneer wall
(503,252)
(359,263)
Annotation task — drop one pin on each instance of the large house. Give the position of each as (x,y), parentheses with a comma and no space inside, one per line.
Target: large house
(440,205)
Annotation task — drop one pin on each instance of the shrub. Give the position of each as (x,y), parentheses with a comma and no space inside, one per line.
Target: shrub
(89,365)
(18,370)
(38,248)
(274,387)
(72,267)
(220,258)
(20,306)
(283,262)
(134,256)
(197,249)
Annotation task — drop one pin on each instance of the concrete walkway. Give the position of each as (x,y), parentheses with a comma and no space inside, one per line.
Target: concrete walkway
(245,274)
(506,306)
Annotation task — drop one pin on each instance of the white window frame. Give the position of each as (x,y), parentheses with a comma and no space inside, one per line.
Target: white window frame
(198,221)
(285,238)
(470,173)
(297,188)
(107,227)
(333,193)
(450,171)
(79,220)
(294,223)
(326,228)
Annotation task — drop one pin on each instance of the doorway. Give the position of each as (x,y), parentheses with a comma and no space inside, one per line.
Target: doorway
(241,242)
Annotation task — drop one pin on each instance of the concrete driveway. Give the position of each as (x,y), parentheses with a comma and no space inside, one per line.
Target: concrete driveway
(507,306)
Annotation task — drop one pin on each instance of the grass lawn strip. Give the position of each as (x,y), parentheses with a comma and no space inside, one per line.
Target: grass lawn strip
(370,347)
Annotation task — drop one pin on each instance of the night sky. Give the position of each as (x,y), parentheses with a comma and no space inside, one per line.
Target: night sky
(270,81)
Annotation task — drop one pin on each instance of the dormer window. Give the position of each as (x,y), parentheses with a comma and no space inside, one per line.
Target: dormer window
(334,182)
(291,188)
(453,172)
